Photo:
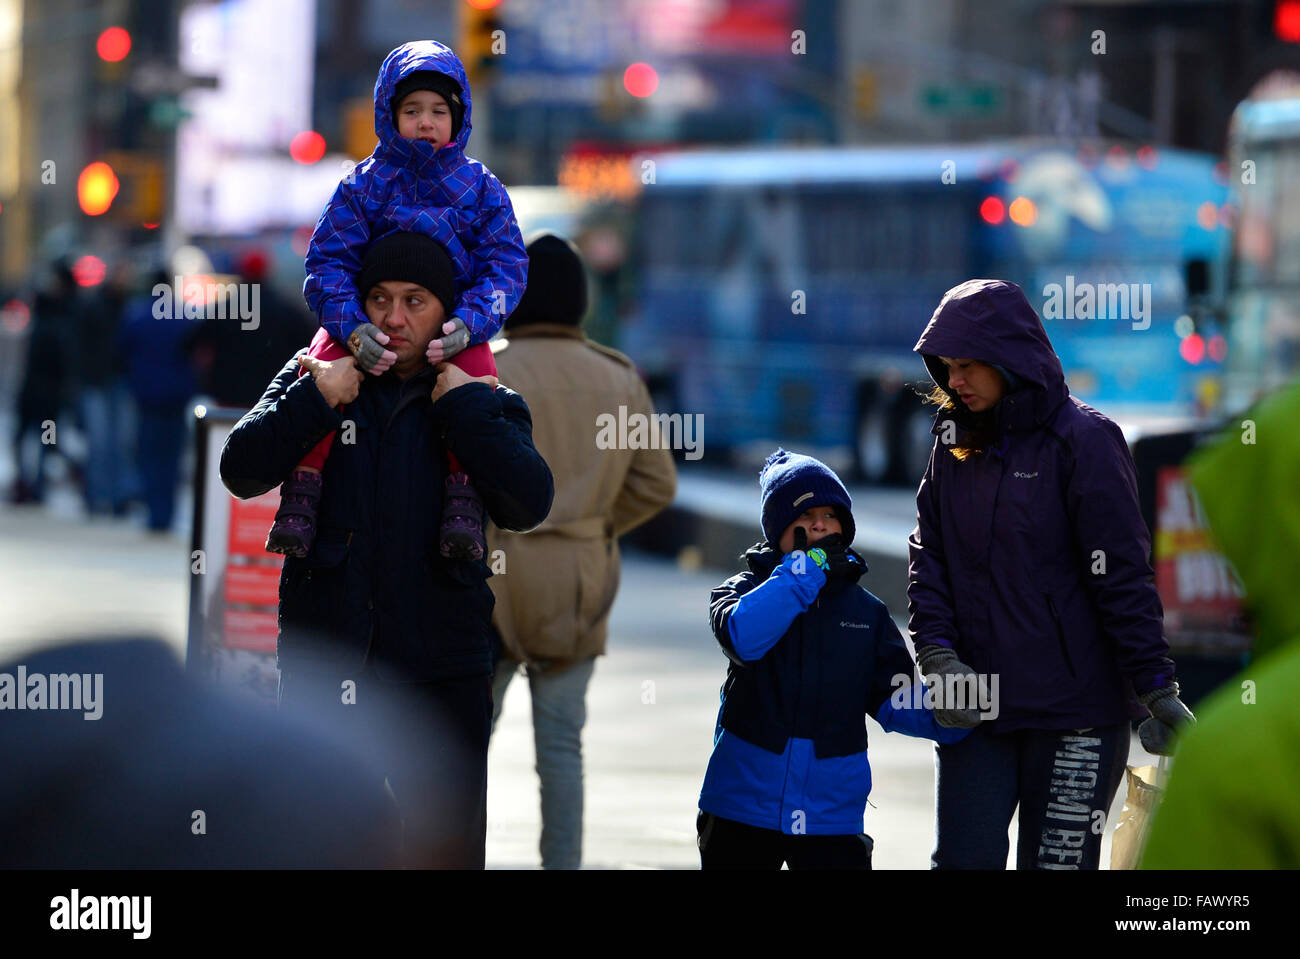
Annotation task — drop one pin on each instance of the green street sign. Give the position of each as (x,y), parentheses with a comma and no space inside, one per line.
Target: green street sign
(970,98)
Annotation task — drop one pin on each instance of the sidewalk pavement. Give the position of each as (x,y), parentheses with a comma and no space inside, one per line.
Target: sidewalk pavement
(66,577)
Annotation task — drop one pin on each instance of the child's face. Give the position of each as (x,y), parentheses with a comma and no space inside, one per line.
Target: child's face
(979,385)
(424,115)
(818,522)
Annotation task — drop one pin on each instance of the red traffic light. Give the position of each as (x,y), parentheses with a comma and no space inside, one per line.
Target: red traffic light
(307,147)
(113,44)
(1286,21)
(640,80)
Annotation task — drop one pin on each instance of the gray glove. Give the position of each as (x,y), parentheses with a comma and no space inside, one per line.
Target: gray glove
(453,342)
(936,662)
(1169,715)
(365,346)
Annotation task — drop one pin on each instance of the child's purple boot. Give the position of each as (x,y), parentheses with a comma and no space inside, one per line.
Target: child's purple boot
(295,522)
(461,535)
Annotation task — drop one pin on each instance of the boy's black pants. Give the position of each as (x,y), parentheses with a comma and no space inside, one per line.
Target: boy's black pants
(727,844)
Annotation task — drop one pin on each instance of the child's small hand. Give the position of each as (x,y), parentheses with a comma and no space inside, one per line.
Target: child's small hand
(454,339)
(367,345)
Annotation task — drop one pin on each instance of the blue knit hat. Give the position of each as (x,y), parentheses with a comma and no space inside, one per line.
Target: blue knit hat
(792,483)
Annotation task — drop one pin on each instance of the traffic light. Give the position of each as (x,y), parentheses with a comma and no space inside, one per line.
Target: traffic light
(1286,21)
(482,38)
(97,188)
(113,45)
(130,184)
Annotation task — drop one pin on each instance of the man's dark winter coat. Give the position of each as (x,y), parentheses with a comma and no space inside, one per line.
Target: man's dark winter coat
(373,587)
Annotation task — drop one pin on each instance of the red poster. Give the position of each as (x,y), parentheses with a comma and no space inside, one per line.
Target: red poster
(1198,586)
(254,630)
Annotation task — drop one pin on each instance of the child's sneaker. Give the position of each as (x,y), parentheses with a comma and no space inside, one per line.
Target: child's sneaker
(295,521)
(461,536)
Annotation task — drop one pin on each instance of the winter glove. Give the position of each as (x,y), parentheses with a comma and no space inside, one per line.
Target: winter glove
(366,343)
(831,554)
(451,342)
(1169,715)
(938,662)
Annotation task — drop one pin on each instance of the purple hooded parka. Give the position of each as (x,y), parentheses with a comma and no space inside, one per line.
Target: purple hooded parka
(408,185)
(1030,560)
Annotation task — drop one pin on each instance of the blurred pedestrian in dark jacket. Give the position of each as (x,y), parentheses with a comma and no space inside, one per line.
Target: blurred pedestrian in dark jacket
(44,391)
(107,413)
(151,768)
(162,381)
(237,357)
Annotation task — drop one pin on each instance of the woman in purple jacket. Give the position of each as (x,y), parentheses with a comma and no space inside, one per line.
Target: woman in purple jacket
(1029,567)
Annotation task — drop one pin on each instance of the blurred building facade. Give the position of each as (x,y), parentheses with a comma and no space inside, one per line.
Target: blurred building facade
(555,87)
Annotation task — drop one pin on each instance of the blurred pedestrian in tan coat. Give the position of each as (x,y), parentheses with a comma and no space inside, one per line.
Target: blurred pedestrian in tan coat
(554,598)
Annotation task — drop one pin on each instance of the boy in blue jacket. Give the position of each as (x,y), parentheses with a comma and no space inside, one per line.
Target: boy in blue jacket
(812,653)
(418,180)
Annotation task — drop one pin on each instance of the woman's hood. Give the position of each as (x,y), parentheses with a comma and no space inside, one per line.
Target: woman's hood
(992,321)
(406,59)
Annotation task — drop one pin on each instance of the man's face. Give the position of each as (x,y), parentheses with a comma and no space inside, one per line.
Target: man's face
(410,315)
(424,115)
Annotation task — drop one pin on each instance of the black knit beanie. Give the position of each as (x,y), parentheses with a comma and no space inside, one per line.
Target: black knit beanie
(439,83)
(557,285)
(409,258)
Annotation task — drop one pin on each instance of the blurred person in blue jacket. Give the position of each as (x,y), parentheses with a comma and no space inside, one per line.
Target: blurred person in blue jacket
(812,654)
(104,401)
(162,380)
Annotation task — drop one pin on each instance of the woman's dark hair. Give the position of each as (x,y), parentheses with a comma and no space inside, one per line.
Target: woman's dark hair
(976,429)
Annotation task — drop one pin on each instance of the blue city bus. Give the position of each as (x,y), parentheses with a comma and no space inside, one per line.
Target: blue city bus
(781,290)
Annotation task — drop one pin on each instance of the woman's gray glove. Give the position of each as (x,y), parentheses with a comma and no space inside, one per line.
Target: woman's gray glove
(1169,716)
(938,662)
(366,345)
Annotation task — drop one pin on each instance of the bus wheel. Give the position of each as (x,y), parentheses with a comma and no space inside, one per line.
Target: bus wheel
(871,436)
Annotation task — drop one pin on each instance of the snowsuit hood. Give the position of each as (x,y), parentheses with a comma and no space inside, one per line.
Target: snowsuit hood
(407,59)
(992,321)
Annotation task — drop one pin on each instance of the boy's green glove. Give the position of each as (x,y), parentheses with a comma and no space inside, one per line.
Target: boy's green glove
(366,343)
(937,663)
(831,553)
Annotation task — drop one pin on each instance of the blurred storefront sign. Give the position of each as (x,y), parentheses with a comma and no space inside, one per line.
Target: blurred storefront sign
(234,171)
(234,581)
(1198,587)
